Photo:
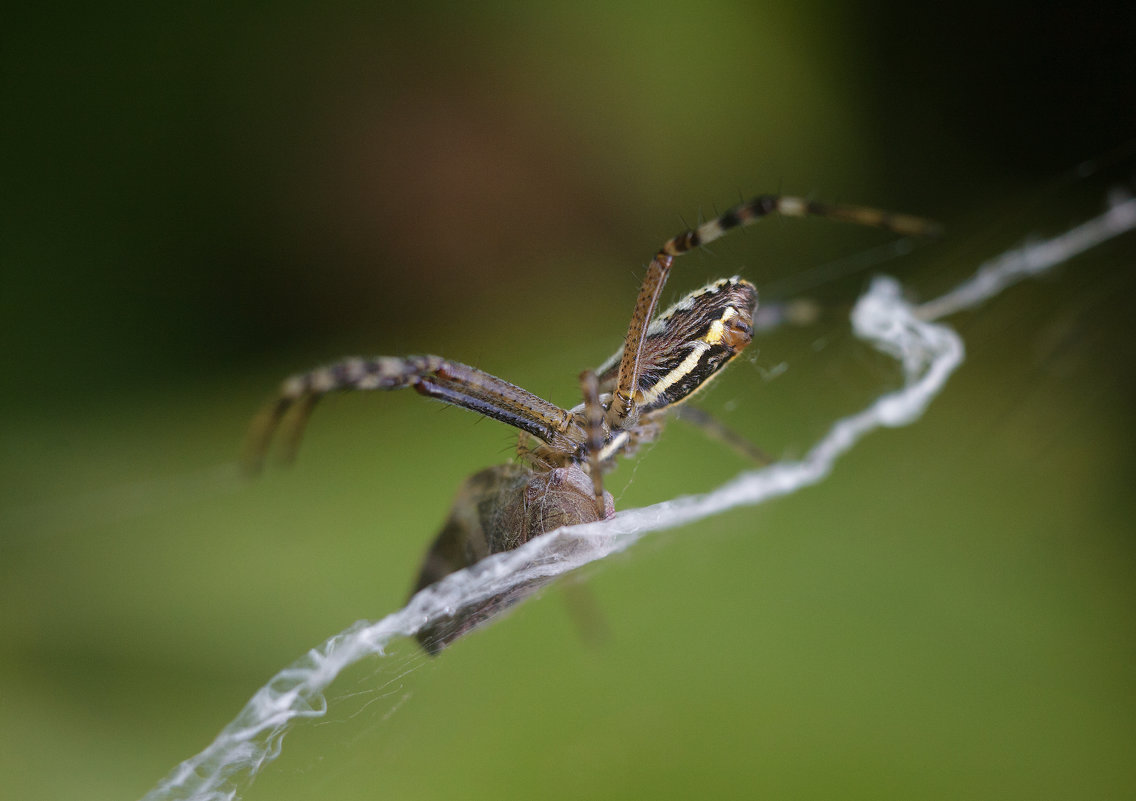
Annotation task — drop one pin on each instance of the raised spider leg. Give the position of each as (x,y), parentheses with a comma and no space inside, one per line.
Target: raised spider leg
(433,376)
(593,427)
(623,411)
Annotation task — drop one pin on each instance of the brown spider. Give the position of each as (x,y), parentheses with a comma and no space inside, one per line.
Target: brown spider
(557,479)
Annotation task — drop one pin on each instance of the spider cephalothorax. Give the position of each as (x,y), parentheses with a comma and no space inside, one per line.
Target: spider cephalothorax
(563,453)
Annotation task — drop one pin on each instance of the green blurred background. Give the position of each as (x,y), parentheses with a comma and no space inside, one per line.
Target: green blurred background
(198,201)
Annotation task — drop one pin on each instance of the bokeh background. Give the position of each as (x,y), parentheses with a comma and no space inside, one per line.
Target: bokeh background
(196,202)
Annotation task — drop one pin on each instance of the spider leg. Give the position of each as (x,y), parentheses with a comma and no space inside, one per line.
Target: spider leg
(623,413)
(450,382)
(717,430)
(593,427)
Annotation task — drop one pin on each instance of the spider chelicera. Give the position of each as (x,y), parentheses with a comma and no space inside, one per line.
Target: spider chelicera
(557,479)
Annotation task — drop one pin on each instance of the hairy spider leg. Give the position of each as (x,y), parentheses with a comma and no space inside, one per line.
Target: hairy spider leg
(451,382)
(623,412)
(593,427)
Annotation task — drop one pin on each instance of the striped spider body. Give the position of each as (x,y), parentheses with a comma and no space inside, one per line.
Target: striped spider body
(557,479)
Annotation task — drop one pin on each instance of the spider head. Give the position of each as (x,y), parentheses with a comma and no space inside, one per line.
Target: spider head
(690,342)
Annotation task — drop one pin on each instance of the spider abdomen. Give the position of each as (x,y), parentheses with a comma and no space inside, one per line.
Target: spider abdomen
(498,509)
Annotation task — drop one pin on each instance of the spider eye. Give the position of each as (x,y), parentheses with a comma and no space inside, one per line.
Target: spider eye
(738,333)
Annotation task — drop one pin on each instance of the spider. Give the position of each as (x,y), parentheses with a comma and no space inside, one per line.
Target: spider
(557,479)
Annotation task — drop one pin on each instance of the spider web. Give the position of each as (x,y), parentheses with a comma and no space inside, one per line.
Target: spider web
(928,352)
